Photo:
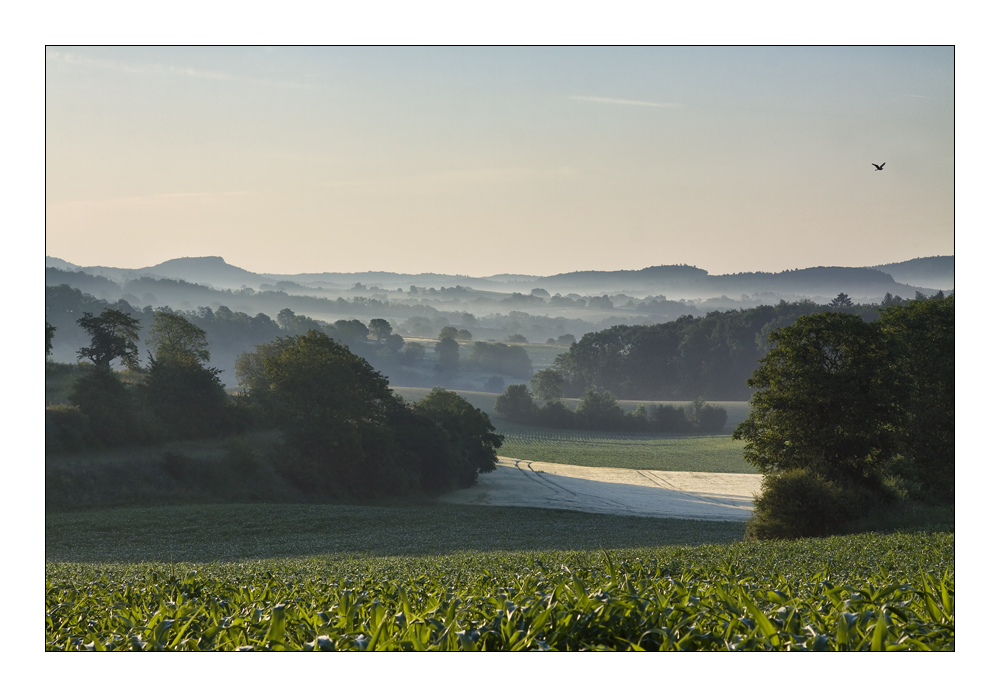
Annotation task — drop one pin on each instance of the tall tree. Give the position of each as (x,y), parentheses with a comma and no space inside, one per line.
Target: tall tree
(176,339)
(113,334)
(447,351)
(186,394)
(830,399)
(547,384)
(380,328)
(49,333)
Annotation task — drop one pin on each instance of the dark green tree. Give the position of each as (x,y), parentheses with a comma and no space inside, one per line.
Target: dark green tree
(180,389)
(49,333)
(332,407)
(447,333)
(927,331)
(113,334)
(176,339)
(473,438)
(830,399)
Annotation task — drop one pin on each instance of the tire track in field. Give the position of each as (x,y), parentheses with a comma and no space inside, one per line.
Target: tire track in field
(665,483)
(608,502)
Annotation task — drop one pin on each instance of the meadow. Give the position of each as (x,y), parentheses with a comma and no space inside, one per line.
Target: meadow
(651,451)
(277,577)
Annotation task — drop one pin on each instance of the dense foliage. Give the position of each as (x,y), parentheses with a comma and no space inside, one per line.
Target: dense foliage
(860,593)
(349,433)
(709,356)
(853,416)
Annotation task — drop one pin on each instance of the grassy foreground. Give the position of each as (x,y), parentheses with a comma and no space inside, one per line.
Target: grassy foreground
(274,577)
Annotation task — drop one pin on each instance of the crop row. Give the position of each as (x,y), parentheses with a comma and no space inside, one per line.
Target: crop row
(600,602)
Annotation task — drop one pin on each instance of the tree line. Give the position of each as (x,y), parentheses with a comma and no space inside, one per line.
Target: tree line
(708,356)
(600,411)
(344,432)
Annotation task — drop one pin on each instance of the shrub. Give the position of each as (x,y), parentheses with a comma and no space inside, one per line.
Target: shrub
(66,429)
(795,503)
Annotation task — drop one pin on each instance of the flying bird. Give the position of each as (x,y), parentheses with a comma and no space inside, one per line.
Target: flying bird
(878,167)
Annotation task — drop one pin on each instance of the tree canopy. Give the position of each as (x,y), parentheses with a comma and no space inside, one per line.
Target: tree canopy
(113,334)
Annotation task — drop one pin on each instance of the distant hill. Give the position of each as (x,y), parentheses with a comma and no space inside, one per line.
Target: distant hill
(932,272)
(210,271)
(927,275)
(57,263)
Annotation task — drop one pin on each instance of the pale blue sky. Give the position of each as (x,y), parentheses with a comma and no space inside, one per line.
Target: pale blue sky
(482,161)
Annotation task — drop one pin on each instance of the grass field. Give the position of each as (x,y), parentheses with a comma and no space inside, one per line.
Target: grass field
(278,577)
(627,450)
(680,453)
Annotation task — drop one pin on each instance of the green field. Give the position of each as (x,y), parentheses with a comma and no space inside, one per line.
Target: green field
(627,450)
(652,451)
(274,577)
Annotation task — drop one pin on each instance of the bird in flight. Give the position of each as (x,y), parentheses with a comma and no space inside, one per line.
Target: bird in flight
(878,167)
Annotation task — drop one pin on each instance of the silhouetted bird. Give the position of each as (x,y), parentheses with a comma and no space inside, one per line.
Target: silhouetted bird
(878,167)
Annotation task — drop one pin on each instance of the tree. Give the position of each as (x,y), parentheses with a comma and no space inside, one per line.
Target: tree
(829,400)
(464,335)
(842,300)
(599,411)
(49,333)
(547,384)
(448,333)
(412,352)
(113,334)
(351,332)
(394,343)
(472,436)
(515,404)
(927,330)
(380,328)
(187,395)
(176,340)
(447,351)
(517,339)
(332,408)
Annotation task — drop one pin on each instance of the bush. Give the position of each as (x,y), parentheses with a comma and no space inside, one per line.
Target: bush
(114,417)
(556,415)
(66,429)
(705,418)
(795,503)
(800,503)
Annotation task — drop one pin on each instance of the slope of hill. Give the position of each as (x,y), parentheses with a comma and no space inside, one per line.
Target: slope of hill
(931,272)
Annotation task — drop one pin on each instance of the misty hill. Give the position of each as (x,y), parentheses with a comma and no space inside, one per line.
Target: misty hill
(206,271)
(931,272)
(671,282)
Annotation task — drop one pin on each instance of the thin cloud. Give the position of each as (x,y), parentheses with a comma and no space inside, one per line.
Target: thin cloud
(457,176)
(160,69)
(153,198)
(632,102)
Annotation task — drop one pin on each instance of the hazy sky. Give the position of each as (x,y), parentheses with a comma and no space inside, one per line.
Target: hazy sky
(483,161)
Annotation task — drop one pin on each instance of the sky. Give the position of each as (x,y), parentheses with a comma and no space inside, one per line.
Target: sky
(482,161)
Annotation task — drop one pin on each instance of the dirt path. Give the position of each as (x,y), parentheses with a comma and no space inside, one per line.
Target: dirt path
(648,493)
